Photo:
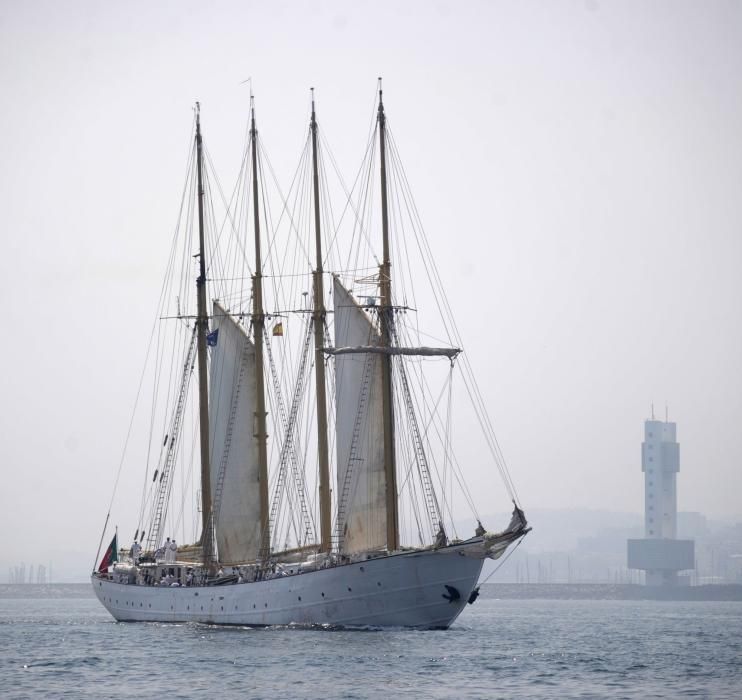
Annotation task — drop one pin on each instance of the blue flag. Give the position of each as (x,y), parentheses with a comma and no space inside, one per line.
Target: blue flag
(212,337)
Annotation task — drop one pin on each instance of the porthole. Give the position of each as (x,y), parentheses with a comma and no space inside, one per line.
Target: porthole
(349,589)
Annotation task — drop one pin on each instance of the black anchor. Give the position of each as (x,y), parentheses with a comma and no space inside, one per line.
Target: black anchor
(452,595)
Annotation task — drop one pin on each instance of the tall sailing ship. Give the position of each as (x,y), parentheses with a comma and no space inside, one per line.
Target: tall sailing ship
(342,515)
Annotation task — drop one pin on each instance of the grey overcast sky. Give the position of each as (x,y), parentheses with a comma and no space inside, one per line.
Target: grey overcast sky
(586,157)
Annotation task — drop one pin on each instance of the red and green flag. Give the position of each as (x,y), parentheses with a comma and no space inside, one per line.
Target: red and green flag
(110,556)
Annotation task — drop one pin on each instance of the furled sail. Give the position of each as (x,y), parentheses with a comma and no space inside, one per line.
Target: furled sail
(234,450)
(361,489)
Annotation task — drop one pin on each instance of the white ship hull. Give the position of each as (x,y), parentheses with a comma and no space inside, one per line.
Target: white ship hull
(410,589)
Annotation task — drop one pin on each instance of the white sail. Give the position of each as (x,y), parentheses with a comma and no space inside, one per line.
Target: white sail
(234,450)
(361,488)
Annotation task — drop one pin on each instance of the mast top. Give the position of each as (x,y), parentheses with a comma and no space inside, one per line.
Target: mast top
(252,112)
(382,119)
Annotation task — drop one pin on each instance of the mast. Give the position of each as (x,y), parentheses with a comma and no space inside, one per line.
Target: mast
(318,319)
(258,324)
(386,318)
(202,323)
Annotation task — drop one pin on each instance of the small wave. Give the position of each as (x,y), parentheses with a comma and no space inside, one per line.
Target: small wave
(65,663)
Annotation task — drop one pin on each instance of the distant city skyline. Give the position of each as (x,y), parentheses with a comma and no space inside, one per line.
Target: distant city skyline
(592,543)
(17,574)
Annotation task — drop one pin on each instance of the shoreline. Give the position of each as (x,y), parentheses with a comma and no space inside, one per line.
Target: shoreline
(610,591)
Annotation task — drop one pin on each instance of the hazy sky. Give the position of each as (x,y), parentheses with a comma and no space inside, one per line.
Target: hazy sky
(585,156)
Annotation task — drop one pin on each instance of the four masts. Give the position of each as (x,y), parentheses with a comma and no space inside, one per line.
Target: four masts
(259,429)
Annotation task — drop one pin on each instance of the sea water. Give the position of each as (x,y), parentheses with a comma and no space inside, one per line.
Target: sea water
(60,643)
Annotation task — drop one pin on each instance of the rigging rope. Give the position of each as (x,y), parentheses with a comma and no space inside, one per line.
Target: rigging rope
(507,556)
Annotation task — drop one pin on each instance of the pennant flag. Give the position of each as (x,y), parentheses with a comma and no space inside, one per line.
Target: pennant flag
(278,329)
(212,338)
(110,556)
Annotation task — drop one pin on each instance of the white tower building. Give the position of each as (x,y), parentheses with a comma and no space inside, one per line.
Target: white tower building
(660,554)
(660,464)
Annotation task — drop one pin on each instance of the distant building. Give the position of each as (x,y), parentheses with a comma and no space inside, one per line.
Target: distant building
(660,554)
(17,574)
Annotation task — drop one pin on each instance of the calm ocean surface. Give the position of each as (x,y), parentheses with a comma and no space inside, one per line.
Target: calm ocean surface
(63,644)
